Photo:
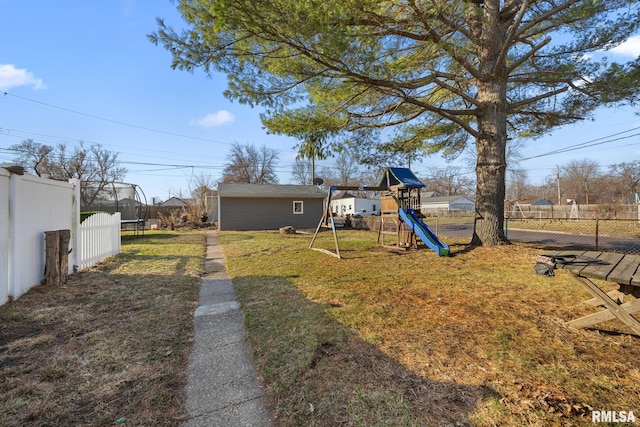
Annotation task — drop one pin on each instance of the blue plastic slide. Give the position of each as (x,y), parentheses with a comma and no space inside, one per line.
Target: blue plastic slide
(424,232)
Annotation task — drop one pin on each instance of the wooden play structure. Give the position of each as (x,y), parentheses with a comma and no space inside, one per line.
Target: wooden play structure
(400,213)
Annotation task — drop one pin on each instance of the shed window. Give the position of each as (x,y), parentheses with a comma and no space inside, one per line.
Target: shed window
(298,207)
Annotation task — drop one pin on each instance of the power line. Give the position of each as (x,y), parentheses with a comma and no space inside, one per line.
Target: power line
(575,147)
(165,166)
(51,139)
(93,116)
(116,121)
(587,144)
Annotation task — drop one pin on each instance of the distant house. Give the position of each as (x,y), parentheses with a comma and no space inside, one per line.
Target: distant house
(347,204)
(173,202)
(425,194)
(268,206)
(185,209)
(449,203)
(536,201)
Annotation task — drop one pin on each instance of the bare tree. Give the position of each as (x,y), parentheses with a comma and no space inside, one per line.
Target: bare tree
(201,187)
(580,180)
(33,156)
(628,174)
(451,181)
(517,186)
(347,169)
(247,164)
(549,189)
(94,165)
(303,171)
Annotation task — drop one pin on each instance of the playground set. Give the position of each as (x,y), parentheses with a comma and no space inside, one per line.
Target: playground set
(400,199)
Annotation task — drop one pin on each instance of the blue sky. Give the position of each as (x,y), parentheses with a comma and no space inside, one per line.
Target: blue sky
(85,71)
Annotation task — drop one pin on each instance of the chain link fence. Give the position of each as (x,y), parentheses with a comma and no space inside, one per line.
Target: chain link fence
(587,231)
(615,235)
(614,228)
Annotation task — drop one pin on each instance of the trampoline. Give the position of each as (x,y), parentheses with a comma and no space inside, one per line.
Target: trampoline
(111,197)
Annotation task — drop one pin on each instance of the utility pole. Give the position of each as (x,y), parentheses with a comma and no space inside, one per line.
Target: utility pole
(558,181)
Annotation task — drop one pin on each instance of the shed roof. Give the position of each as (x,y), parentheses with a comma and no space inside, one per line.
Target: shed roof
(402,177)
(275,191)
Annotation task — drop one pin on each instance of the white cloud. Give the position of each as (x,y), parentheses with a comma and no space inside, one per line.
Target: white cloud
(214,119)
(631,47)
(10,77)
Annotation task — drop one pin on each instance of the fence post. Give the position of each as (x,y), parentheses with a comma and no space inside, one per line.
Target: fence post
(14,225)
(506,227)
(76,240)
(597,229)
(116,233)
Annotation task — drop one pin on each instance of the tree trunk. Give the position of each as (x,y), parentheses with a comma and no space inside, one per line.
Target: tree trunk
(490,192)
(491,169)
(491,142)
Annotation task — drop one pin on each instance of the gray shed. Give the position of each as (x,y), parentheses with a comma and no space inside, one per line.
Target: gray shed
(268,206)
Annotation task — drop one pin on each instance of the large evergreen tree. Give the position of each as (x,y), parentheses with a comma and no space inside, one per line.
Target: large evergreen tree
(415,76)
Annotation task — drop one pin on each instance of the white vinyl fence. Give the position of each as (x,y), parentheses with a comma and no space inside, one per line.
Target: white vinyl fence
(4,235)
(99,238)
(29,206)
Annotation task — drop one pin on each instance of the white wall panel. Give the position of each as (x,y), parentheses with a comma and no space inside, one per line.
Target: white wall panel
(38,205)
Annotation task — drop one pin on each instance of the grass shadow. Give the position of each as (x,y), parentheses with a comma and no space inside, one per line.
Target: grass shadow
(147,236)
(340,379)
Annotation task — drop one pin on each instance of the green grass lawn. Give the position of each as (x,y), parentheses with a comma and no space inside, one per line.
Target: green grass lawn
(389,337)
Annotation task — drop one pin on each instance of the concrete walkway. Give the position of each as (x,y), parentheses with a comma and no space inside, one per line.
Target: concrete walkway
(222,388)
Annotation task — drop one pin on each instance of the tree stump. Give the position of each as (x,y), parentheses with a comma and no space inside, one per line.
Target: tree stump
(56,266)
(287,230)
(52,258)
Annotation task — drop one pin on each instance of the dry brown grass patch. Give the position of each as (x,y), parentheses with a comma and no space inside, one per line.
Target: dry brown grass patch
(108,347)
